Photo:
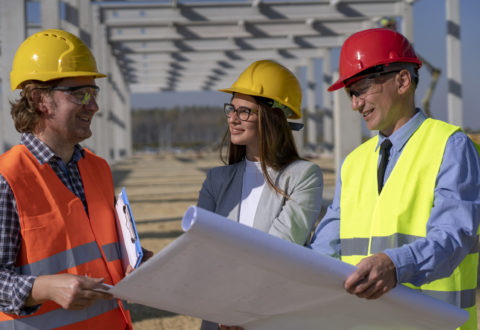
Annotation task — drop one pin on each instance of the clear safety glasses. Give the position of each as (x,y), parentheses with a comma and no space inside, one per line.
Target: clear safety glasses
(243,113)
(81,95)
(368,85)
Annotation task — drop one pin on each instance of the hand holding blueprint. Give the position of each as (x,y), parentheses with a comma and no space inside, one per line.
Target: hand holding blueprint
(222,271)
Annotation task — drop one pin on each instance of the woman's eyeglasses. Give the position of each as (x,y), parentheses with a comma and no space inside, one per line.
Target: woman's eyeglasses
(243,113)
(81,95)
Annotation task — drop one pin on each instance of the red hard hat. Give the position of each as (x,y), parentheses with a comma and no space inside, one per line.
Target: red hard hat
(369,48)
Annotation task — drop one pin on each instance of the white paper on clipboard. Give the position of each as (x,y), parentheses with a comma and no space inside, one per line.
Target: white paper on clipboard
(127,233)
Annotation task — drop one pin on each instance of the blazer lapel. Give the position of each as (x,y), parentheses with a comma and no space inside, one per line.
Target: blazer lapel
(232,192)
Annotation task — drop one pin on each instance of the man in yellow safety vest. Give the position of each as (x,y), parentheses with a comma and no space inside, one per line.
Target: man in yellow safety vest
(407,201)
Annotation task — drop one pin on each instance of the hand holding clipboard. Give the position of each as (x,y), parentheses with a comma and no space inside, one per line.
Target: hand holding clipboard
(131,249)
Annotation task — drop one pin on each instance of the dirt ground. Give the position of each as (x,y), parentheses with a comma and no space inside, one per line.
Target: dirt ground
(160,188)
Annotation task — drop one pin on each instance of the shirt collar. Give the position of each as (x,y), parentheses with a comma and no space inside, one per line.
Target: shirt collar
(43,153)
(400,137)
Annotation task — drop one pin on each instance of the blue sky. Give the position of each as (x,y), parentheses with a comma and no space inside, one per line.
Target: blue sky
(430,42)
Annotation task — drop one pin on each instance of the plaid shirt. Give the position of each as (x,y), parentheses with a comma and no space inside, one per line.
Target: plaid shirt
(15,288)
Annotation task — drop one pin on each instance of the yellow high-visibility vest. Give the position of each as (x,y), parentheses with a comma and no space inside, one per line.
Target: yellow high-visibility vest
(371,223)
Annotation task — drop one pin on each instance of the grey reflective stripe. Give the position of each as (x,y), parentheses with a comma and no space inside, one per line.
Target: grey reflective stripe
(354,246)
(359,245)
(60,317)
(463,299)
(112,251)
(63,260)
(381,243)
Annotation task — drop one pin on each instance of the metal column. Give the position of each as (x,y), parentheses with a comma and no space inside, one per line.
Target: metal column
(82,19)
(13,14)
(100,50)
(50,14)
(407,21)
(71,20)
(299,135)
(311,113)
(454,66)
(348,126)
(327,102)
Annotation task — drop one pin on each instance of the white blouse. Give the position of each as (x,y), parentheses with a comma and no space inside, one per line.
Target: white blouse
(252,188)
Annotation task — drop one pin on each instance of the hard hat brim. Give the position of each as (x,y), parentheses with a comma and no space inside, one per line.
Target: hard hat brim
(337,85)
(53,76)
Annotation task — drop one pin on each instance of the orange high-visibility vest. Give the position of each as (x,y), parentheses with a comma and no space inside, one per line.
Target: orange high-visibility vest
(59,237)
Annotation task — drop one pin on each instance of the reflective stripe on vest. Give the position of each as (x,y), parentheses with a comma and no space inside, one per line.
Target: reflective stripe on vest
(70,258)
(463,299)
(371,223)
(61,317)
(359,246)
(58,236)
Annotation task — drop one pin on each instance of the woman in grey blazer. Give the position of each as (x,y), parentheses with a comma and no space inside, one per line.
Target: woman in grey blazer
(264,184)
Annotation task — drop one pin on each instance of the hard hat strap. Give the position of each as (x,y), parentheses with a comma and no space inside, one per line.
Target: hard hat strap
(286,110)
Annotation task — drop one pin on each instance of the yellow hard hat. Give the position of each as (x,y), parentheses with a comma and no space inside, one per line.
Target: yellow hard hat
(269,79)
(52,54)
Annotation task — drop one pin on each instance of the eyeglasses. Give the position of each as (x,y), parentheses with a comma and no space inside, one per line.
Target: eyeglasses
(81,95)
(367,85)
(243,113)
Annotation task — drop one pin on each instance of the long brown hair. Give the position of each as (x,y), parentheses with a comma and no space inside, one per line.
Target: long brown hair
(277,146)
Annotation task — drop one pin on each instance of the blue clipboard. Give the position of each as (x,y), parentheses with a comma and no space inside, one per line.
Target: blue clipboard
(131,248)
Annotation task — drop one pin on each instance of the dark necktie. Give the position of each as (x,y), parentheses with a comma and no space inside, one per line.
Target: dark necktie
(385,153)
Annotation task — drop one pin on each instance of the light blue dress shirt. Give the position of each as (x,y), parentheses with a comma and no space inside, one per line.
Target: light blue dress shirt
(454,218)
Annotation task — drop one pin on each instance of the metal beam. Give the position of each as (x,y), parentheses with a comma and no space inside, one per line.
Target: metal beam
(221,55)
(241,29)
(134,14)
(454,64)
(229,44)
